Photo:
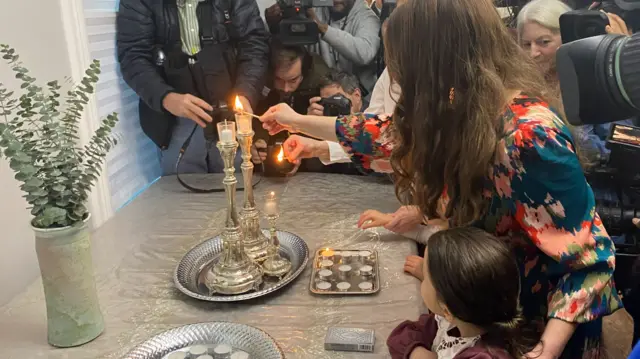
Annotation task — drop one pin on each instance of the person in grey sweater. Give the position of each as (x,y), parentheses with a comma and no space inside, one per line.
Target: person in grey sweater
(349,38)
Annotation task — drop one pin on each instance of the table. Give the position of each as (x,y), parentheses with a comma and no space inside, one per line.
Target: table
(136,252)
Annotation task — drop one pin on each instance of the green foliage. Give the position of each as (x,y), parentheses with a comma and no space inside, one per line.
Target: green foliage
(39,136)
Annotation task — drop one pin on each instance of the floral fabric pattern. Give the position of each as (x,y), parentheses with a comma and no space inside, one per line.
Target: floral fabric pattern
(541,204)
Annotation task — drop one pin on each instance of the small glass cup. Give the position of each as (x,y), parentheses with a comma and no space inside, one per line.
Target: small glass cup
(271,204)
(245,123)
(226,132)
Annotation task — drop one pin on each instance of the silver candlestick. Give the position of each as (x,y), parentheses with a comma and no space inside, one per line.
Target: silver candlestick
(235,272)
(255,242)
(274,265)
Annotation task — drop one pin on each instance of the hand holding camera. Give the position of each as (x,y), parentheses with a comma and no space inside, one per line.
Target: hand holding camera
(188,106)
(315,108)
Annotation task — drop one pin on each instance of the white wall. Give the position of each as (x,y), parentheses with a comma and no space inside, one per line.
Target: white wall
(44,52)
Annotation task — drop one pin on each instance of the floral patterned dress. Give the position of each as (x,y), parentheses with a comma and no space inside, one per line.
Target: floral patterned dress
(541,204)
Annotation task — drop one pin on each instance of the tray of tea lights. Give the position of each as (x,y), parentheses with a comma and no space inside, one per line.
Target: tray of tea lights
(208,341)
(345,271)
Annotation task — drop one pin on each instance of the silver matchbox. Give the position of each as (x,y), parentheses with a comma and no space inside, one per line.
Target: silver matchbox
(350,339)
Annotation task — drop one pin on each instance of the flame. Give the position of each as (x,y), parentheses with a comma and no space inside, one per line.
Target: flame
(281,154)
(238,105)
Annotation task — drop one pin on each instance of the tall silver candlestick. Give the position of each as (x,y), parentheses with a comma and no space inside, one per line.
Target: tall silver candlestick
(274,265)
(235,272)
(255,242)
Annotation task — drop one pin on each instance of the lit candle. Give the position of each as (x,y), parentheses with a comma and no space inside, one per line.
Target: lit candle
(271,205)
(226,131)
(328,254)
(244,119)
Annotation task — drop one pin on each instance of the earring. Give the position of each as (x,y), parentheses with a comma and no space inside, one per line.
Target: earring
(452,95)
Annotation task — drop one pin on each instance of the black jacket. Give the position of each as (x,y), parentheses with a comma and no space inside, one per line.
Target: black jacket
(144,24)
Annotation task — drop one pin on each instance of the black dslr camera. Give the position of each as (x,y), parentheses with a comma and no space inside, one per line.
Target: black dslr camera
(336,105)
(295,27)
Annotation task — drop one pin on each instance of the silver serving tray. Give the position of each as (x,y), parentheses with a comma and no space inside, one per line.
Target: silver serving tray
(354,278)
(257,343)
(190,272)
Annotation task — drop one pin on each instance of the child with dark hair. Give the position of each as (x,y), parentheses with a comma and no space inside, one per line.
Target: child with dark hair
(471,287)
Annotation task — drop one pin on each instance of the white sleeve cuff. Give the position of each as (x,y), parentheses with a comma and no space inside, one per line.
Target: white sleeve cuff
(336,154)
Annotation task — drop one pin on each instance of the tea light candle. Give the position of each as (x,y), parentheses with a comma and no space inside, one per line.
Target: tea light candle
(346,257)
(366,270)
(222,351)
(343,286)
(323,285)
(205,357)
(177,355)
(325,263)
(325,274)
(271,204)
(198,350)
(344,271)
(365,286)
(327,253)
(240,355)
(227,132)
(365,254)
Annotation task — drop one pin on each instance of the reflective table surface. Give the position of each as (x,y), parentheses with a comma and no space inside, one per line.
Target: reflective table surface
(136,252)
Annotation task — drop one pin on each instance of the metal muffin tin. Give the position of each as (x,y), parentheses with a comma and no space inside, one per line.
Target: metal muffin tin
(190,272)
(346,271)
(254,341)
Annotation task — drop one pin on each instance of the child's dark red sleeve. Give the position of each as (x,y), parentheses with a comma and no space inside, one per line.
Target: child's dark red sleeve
(479,351)
(410,335)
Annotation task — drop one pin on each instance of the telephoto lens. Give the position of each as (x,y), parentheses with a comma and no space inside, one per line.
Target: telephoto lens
(600,78)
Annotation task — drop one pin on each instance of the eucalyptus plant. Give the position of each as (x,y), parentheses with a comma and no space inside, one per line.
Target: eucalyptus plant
(39,136)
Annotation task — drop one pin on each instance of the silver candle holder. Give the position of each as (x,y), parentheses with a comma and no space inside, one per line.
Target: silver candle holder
(235,272)
(274,265)
(255,242)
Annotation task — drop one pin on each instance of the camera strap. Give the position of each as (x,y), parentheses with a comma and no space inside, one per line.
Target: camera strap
(333,51)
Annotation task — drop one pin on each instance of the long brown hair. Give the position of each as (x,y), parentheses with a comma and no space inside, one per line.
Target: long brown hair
(456,64)
(476,276)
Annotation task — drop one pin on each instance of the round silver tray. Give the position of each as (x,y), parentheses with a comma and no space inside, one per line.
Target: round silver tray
(190,272)
(257,343)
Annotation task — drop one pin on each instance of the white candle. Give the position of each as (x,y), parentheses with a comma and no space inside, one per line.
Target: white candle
(198,350)
(244,124)
(240,355)
(226,136)
(366,286)
(271,208)
(222,349)
(343,286)
(177,355)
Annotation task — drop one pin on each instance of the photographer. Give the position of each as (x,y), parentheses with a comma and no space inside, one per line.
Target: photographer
(349,38)
(336,83)
(187,60)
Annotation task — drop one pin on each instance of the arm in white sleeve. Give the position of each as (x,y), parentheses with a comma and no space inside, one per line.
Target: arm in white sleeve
(336,154)
(379,93)
(422,233)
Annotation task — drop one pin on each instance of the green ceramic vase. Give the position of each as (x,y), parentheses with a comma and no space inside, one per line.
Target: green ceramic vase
(66,265)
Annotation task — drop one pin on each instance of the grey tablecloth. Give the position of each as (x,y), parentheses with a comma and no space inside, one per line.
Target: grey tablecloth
(136,252)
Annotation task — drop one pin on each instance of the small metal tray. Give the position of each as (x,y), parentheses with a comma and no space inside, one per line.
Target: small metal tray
(345,271)
(240,337)
(190,273)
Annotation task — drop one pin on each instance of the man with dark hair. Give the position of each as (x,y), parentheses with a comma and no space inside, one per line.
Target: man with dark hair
(187,60)
(338,83)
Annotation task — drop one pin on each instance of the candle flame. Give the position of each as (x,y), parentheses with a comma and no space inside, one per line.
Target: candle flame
(238,105)
(281,154)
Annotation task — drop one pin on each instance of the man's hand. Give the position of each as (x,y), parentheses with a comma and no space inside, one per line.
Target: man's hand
(315,108)
(322,27)
(616,25)
(258,156)
(372,218)
(246,105)
(273,14)
(188,106)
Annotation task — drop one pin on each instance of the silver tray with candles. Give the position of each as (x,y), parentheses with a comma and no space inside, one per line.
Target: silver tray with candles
(190,274)
(345,271)
(209,340)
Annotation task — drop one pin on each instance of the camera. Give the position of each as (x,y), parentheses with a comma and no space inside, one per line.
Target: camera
(295,28)
(336,105)
(600,83)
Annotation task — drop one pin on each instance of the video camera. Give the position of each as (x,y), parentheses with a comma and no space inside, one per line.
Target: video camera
(600,83)
(336,105)
(295,27)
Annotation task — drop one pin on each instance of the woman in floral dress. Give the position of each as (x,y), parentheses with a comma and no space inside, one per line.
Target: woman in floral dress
(475,141)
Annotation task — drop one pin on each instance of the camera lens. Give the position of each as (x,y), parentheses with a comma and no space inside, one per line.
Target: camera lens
(600,78)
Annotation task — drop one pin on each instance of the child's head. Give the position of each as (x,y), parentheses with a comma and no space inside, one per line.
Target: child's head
(470,276)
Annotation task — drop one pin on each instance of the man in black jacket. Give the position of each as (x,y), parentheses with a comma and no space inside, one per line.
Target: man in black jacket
(163,45)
